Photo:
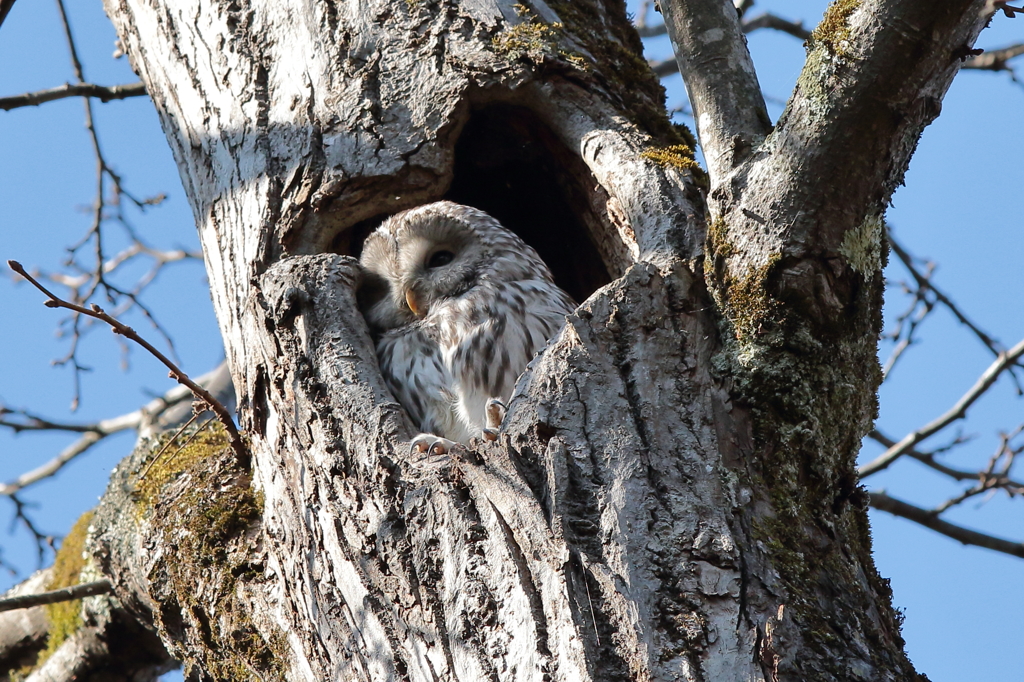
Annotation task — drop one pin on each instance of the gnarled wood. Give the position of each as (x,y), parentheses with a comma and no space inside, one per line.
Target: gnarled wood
(672,496)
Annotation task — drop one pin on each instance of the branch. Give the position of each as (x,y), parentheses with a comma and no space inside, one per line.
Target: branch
(928,459)
(106,177)
(42,540)
(23,633)
(924,282)
(727,103)
(65,594)
(994,60)
(51,467)
(1002,6)
(198,391)
(1005,361)
(103,93)
(5,8)
(929,519)
(777,23)
(669,66)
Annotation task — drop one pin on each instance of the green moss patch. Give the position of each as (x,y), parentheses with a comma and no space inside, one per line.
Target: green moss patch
(674,156)
(174,455)
(718,244)
(748,303)
(834,31)
(66,617)
(531,40)
(201,503)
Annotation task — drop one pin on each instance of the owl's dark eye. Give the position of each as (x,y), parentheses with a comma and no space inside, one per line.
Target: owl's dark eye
(440,258)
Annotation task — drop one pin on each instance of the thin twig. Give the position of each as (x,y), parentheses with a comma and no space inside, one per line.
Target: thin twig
(1011,485)
(95,236)
(990,60)
(27,601)
(42,540)
(1003,362)
(907,325)
(170,440)
(51,467)
(924,283)
(176,373)
(777,23)
(929,519)
(103,93)
(140,420)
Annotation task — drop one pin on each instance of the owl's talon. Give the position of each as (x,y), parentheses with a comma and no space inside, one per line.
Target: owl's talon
(495,412)
(491,434)
(430,444)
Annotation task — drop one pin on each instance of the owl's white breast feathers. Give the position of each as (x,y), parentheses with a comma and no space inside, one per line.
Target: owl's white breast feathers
(459,306)
(468,350)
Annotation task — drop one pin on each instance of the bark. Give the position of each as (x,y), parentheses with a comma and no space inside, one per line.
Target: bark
(673,495)
(23,632)
(109,644)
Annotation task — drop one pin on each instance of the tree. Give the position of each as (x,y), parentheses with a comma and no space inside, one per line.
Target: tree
(674,493)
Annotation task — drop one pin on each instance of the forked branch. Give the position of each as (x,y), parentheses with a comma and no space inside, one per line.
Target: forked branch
(720,80)
(1003,362)
(930,519)
(201,394)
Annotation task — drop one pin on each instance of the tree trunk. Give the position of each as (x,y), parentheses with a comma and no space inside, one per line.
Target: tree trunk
(672,496)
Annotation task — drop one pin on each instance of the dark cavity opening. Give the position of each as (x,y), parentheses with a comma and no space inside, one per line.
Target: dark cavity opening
(510,165)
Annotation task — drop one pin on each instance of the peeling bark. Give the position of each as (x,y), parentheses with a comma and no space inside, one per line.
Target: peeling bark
(672,496)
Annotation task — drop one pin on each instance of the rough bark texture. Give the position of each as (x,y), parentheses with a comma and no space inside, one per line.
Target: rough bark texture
(672,496)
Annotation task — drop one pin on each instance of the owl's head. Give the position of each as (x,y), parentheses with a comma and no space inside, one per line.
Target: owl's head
(432,253)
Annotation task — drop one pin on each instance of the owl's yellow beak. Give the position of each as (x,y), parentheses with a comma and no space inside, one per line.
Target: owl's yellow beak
(410,298)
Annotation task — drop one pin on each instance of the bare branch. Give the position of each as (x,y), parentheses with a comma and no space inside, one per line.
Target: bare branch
(765,20)
(928,459)
(156,414)
(176,373)
(929,519)
(907,325)
(97,280)
(925,284)
(990,60)
(777,23)
(103,93)
(41,539)
(995,60)
(958,411)
(51,467)
(652,31)
(1002,6)
(54,596)
(712,55)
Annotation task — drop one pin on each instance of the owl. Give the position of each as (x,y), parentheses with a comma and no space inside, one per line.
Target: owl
(458,306)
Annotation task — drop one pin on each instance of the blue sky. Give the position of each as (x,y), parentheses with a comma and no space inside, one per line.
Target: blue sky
(959,207)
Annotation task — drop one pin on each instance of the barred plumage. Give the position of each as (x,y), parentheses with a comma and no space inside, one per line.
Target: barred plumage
(459,306)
